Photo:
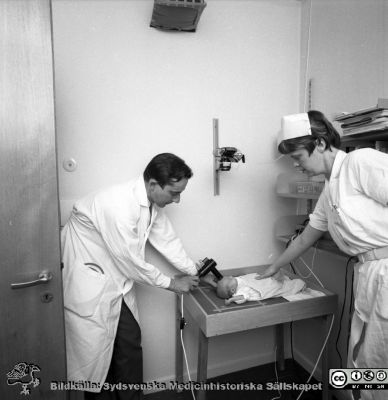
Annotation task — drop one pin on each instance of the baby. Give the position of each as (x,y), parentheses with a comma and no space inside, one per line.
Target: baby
(247,288)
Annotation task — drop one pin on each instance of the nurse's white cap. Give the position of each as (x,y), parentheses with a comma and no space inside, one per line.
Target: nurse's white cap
(294,126)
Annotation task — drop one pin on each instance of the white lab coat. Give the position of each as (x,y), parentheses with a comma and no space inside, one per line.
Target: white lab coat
(353,207)
(108,231)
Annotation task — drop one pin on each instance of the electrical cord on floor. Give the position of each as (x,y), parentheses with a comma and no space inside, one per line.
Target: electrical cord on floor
(319,356)
(277,376)
(343,309)
(182,325)
(332,320)
(292,348)
(292,340)
(295,270)
(316,363)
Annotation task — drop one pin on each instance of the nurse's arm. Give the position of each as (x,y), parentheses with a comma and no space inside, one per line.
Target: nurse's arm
(297,247)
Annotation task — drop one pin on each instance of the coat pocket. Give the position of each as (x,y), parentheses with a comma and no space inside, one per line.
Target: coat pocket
(382,298)
(84,288)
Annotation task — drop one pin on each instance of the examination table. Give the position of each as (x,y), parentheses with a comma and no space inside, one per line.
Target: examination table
(213,318)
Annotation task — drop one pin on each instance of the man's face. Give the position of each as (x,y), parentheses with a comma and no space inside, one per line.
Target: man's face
(171,193)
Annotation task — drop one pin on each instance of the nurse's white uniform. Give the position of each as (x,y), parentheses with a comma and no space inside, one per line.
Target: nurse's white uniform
(353,207)
(103,247)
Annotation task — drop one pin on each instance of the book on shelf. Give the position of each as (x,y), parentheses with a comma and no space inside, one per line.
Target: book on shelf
(364,121)
(377,125)
(365,118)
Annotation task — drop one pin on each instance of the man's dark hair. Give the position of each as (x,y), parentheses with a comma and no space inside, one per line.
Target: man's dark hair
(166,168)
(321,130)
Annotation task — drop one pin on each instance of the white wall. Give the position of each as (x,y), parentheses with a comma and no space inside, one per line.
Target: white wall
(348,53)
(125,92)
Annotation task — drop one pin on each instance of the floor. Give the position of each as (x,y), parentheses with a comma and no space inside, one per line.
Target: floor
(263,375)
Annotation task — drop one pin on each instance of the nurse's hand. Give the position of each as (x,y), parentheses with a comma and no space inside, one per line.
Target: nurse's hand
(271,271)
(183,284)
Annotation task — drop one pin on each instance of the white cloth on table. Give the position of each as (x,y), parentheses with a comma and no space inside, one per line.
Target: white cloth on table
(259,289)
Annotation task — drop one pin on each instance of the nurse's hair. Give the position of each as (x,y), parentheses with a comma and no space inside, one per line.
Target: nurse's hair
(167,168)
(322,130)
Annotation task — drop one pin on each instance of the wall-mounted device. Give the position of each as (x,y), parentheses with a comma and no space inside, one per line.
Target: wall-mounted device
(223,157)
(209,265)
(227,155)
(177,15)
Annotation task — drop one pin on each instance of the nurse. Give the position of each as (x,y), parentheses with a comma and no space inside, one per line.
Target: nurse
(103,247)
(353,208)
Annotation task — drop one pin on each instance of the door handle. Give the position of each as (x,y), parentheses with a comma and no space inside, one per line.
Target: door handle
(43,277)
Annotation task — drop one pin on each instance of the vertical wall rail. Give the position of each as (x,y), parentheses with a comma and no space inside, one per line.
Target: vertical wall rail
(310,94)
(216,178)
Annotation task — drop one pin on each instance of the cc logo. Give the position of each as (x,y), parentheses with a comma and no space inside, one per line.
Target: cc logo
(368,375)
(381,375)
(356,375)
(338,379)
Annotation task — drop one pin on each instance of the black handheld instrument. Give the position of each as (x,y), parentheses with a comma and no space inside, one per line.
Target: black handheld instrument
(209,265)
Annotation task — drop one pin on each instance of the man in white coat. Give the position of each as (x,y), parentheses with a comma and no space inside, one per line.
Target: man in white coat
(353,207)
(103,247)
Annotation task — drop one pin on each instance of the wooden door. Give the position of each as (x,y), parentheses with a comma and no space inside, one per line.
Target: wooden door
(32,343)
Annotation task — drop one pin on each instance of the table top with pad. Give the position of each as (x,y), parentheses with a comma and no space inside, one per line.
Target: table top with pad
(214,317)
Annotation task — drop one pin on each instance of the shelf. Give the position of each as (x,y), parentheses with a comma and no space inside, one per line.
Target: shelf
(298,186)
(299,195)
(371,136)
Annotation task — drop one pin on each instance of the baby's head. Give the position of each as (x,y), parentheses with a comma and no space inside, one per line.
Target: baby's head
(226,287)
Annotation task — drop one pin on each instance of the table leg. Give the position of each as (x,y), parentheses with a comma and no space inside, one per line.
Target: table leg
(325,359)
(178,344)
(279,332)
(202,363)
